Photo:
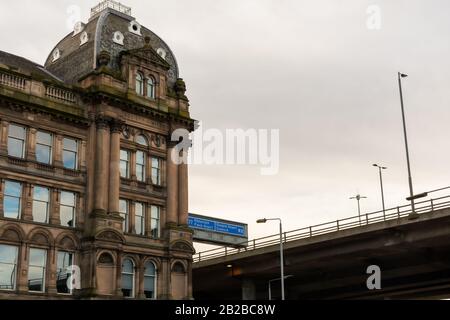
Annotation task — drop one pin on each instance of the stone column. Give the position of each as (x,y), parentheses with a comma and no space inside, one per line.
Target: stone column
(101,166)
(131,217)
(183,197)
(172,186)
(4,138)
(114,165)
(83,161)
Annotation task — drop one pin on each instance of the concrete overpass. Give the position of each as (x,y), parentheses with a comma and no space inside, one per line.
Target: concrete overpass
(329,261)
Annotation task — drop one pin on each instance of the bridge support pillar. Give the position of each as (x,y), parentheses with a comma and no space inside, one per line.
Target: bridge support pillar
(248,289)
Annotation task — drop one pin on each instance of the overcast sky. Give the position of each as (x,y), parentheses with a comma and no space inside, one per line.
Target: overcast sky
(312,69)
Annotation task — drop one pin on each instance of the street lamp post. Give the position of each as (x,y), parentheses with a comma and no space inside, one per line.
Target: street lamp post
(380,168)
(413,214)
(281,251)
(358,198)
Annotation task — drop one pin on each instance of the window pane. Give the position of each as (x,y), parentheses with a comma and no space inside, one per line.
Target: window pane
(68,198)
(13,188)
(11,207)
(124,155)
(154,223)
(139,223)
(11,200)
(142,140)
(69,160)
(17,132)
(15,148)
(44,138)
(140,157)
(70,144)
(8,263)
(41,194)
(67,215)
(123,209)
(40,204)
(36,270)
(63,271)
(149,280)
(128,278)
(43,154)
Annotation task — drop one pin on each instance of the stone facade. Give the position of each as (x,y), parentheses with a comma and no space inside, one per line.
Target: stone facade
(98,106)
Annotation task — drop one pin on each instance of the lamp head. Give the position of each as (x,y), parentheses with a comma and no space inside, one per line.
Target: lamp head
(261,221)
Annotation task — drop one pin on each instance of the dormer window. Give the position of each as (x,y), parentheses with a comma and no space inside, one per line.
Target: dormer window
(151,88)
(139,84)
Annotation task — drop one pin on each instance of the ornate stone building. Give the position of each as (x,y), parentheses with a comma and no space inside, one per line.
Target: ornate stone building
(86,171)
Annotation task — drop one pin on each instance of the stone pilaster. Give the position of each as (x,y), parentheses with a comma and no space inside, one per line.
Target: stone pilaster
(27,201)
(114,166)
(4,138)
(58,150)
(183,197)
(172,187)
(101,166)
(51,271)
(2,194)
(31,145)
(55,202)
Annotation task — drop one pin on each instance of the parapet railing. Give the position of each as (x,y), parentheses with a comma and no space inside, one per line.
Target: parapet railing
(329,227)
(12,81)
(59,94)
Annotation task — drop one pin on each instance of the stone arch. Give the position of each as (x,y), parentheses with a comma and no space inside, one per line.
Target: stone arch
(41,236)
(182,245)
(110,235)
(178,280)
(12,232)
(67,241)
(155,261)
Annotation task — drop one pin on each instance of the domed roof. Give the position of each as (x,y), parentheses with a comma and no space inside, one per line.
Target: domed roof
(110,28)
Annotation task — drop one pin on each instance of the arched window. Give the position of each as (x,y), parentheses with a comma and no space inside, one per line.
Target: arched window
(128,278)
(150,280)
(151,88)
(142,140)
(139,84)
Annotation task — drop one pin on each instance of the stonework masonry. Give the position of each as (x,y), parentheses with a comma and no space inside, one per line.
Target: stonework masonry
(82,125)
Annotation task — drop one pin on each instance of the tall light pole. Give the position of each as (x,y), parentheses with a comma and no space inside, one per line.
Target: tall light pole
(413,214)
(358,198)
(281,251)
(380,168)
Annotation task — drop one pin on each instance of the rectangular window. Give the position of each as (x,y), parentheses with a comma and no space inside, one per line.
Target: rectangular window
(123,210)
(8,267)
(12,200)
(63,271)
(16,141)
(124,164)
(156,171)
(44,143)
(155,222)
(140,166)
(70,153)
(139,218)
(41,201)
(36,270)
(67,209)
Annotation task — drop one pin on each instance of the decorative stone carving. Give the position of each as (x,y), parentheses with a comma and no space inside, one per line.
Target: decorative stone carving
(103,58)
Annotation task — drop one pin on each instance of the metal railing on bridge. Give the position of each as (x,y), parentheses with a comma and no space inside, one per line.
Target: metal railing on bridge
(329,227)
